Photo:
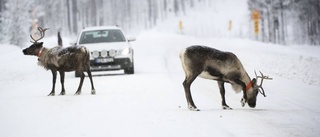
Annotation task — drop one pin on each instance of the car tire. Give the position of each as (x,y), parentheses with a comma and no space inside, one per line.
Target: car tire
(129,70)
(76,75)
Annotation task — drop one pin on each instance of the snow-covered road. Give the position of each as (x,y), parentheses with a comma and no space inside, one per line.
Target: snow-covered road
(152,102)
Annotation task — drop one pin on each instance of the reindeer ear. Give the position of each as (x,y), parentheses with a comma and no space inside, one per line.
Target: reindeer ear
(39,44)
(254,81)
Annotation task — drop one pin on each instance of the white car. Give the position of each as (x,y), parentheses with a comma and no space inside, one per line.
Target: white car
(110,49)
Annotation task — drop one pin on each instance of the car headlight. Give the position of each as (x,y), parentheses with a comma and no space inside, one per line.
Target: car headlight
(112,53)
(95,54)
(125,51)
(104,53)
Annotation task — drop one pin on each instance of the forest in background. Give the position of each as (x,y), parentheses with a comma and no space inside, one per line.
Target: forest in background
(288,21)
(282,21)
(18,18)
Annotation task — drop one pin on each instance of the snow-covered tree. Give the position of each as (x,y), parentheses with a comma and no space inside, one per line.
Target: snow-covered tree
(15,22)
(293,21)
(70,16)
(272,19)
(308,18)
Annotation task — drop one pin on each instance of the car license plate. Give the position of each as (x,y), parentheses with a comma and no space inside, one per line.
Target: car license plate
(104,60)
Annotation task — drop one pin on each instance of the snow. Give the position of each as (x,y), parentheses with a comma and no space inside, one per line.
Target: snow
(212,20)
(151,102)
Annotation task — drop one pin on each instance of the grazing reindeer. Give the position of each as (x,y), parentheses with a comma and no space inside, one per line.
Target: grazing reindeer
(74,58)
(223,67)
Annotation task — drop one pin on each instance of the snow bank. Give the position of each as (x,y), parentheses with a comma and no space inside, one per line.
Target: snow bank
(211,19)
(298,63)
(209,23)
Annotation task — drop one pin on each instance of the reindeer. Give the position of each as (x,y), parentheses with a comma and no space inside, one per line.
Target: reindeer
(74,58)
(224,67)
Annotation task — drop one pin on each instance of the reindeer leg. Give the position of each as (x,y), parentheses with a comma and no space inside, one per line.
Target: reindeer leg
(222,92)
(243,85)
(93,91)
(54,77)
(186,84)
(81,82)
(63,91)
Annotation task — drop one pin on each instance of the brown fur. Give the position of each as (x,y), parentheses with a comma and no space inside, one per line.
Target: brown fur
(74,58)
(224,67)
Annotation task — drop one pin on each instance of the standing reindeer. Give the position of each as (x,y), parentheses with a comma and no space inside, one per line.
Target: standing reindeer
(223,67)
(74,58)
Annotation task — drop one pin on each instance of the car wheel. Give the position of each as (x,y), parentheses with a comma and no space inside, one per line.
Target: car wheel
(129,70)
(76,75)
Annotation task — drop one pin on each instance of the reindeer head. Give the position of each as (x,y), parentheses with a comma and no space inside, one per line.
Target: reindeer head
(36,47)
(255,89)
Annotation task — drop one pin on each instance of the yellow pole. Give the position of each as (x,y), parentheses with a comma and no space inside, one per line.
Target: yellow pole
(230,25)
(180,26)
(256,26)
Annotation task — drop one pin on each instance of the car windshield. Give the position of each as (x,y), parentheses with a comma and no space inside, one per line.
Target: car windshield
(100,36)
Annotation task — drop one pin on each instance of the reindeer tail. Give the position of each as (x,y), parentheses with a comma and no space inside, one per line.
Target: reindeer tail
(59,39)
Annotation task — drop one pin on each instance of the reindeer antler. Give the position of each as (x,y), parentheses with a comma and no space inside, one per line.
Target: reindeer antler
(42,33)
(262,78)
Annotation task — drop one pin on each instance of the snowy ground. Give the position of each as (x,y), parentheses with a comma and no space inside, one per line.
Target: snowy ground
(152,102)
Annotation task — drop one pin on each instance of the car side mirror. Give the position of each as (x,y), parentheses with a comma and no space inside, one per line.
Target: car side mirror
(131,39)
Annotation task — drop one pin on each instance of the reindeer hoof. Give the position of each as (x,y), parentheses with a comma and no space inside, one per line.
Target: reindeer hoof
(226,107)
(243,102)
(192,108)
(51,94)
(78,93)
(93,92)
(62,93)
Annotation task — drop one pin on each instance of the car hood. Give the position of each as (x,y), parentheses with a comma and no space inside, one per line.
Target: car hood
(106,46)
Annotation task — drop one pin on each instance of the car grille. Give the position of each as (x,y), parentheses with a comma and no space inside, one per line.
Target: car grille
(104,53)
